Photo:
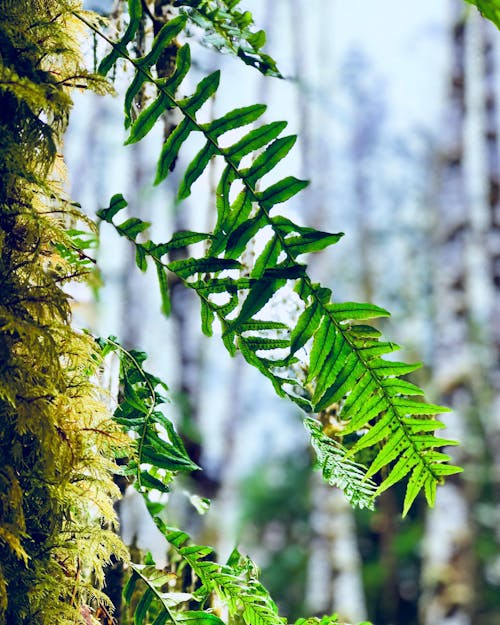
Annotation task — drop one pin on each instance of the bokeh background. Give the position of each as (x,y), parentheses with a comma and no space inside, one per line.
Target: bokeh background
(395,105)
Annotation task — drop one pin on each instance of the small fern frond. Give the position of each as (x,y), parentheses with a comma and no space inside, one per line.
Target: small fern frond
(338,470)
(235,583)
(341,357)
(229,30)
(161,454)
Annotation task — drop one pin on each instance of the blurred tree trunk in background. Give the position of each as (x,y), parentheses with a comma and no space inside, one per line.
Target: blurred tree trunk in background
(448,566)
(334,581)
(492,162)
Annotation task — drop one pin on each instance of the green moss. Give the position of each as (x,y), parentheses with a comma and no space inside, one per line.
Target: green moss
(57,441)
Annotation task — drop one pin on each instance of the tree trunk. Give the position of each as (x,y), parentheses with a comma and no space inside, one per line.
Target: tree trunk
(54,431)
(447,548)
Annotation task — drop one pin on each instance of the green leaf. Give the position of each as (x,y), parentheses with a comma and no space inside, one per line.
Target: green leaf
(135,14)
(187,267)
(149,481)
(271,156)
(129,587)
(239,238)
(415,484)
(147,119)
(347,311)
(195,168)
(163,284)
(306,326)
(267,258)
(207,318)
(116,204)
(239,212)
(410,407)
(281,191)
(222,201)
(171,148)
(204,90)
(256,343)
(235,119)
(182,65)
(403,466)
(133,89)
(249,326)
(167,33)
(395,386)
(322,346)
(254,140)
(312,242)
(140,257)
(338,470)
(143,606)
(392,368)
(344,381)
(191,617)
(132,227)
(256,299)
(183,238)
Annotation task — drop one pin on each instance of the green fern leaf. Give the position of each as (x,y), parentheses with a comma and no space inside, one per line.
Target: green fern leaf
(195,168)
(171,148)
(147,119)
(143,606)
(135,14)
(239,238)
(187,267)
(269,158)
(256,299)
(204,90)
(312,242)
(256,343)
(267,259)
(116,204)
(338,470)
(345,365)
(132,227)
(254,140)
(281,191)
(349,311)
(234,119)
(207,318)
(163,284)
(165,36)
(305,327)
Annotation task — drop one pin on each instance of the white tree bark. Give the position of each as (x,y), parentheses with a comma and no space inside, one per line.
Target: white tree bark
(334,577)
(447,555)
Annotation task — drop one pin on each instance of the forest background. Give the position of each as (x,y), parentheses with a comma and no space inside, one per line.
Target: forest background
(395,126)
(418,196)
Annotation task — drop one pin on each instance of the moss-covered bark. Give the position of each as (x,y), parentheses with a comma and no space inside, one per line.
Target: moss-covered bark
(57,443)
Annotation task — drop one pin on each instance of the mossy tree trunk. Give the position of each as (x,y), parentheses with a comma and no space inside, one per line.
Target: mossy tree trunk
(57,442)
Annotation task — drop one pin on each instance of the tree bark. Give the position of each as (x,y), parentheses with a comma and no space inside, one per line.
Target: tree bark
(448,578)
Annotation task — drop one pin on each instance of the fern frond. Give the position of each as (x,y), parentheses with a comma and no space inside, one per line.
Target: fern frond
(341,354)
(338,470)
(160,451)
(235,583)
(229,30)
